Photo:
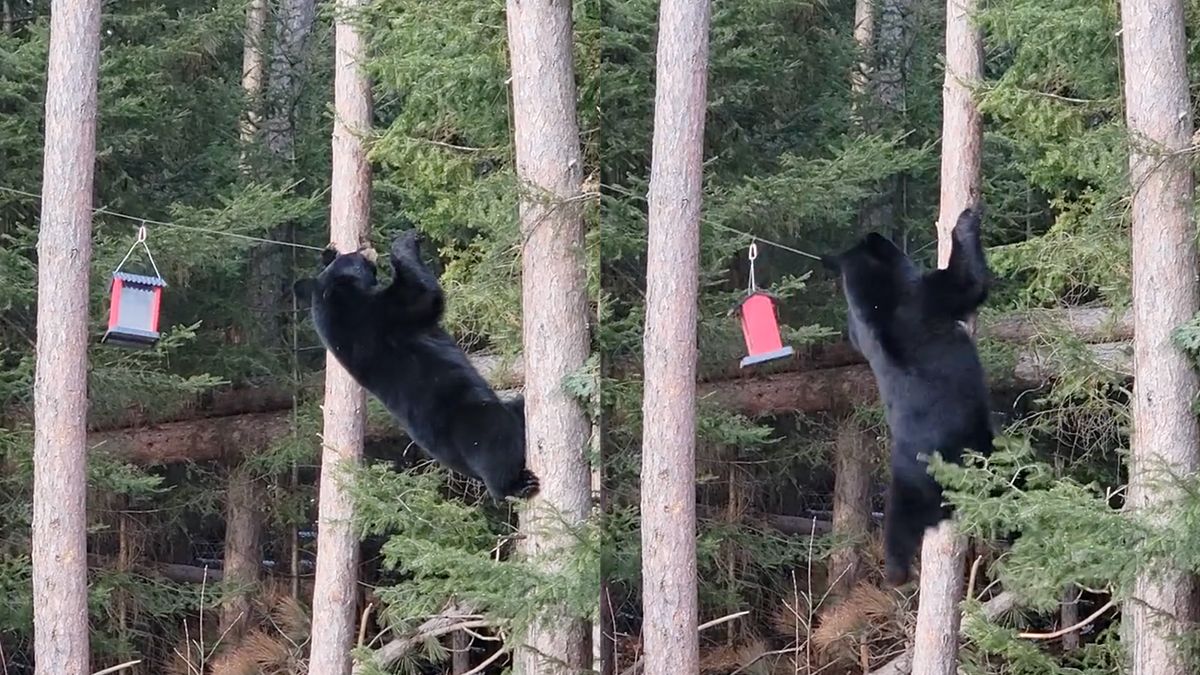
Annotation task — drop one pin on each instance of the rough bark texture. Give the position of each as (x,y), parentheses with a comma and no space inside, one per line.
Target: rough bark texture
(855,452)
(962,125)
(334,594)
(554,312)
(668,490)
(243,550)
(935,644)
(1166,434)
(935,641)
(60,619)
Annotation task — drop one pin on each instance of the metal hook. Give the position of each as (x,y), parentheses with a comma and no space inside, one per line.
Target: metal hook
(141,233)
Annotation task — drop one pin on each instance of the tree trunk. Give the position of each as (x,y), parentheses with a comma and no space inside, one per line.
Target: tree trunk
(935,647)
(962,125)
(1165,294)
(252,77)
(554,315)
(460,644)
(243,550)
(864,39)
(60,612)
(855,450)
(293,24)
(668,491)
(334,592)
(1069,616)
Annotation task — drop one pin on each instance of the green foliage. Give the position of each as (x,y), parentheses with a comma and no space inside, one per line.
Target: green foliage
(446,550)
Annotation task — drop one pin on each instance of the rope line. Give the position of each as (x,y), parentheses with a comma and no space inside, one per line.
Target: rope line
(189,228)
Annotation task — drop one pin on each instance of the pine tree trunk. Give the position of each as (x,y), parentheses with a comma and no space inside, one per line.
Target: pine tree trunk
(334,592)
(243,551)
(1166,433)
(854,448)
(60,612)
(554,306)
(935,646)
(252,76)
(864,39)
(668,491)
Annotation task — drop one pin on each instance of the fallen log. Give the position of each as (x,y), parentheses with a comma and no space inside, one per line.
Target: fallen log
(229,437)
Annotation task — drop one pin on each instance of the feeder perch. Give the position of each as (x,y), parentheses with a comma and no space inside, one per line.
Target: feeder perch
(760,327)
(133,310)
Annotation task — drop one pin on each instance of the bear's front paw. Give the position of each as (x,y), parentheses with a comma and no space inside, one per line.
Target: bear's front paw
(527,485)
(328,255)
(407,244)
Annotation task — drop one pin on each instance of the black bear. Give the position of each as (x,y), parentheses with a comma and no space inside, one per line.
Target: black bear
(390,340)
(906,323)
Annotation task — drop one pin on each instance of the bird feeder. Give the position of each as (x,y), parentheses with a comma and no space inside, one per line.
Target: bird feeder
(760,323)
(134,302)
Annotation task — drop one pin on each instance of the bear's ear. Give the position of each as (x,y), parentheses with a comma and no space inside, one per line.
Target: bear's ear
(881,246)
(304,289)
(328,255)
(831,263)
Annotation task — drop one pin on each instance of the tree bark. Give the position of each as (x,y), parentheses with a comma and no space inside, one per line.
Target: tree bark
(1069,616)
(962,125)
(252,77)
(668,492)
(864,39)
(293,24)
(334,591)
(1166,433)
(60,611)
(554,315)
(243,550)
(935,645)
(855,450)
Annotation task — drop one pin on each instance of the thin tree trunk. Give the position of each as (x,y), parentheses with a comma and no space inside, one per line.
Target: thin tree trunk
(460,644)
(334,592)
(864,39)
(1069,616)
(962,125)
(554,315)
(1166,433)
(60,613)
(935,645)
(668,489)
(854,448)
(243,550)
(252,77)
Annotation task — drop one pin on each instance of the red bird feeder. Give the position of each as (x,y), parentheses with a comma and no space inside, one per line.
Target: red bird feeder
(134,304)
(760,323)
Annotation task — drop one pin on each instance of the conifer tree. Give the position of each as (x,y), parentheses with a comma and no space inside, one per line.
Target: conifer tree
(668,495)
(60,403)
(1166,433)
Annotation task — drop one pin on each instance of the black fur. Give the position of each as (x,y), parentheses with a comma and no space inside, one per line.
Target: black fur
(390,340)
(906,322)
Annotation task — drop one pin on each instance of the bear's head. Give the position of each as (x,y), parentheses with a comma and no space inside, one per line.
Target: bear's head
(873,260)
(340,272)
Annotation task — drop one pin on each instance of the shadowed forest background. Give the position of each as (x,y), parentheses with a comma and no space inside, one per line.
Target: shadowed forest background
(205,448)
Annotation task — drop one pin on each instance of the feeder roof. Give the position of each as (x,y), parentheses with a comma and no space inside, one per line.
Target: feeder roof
(139,279)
